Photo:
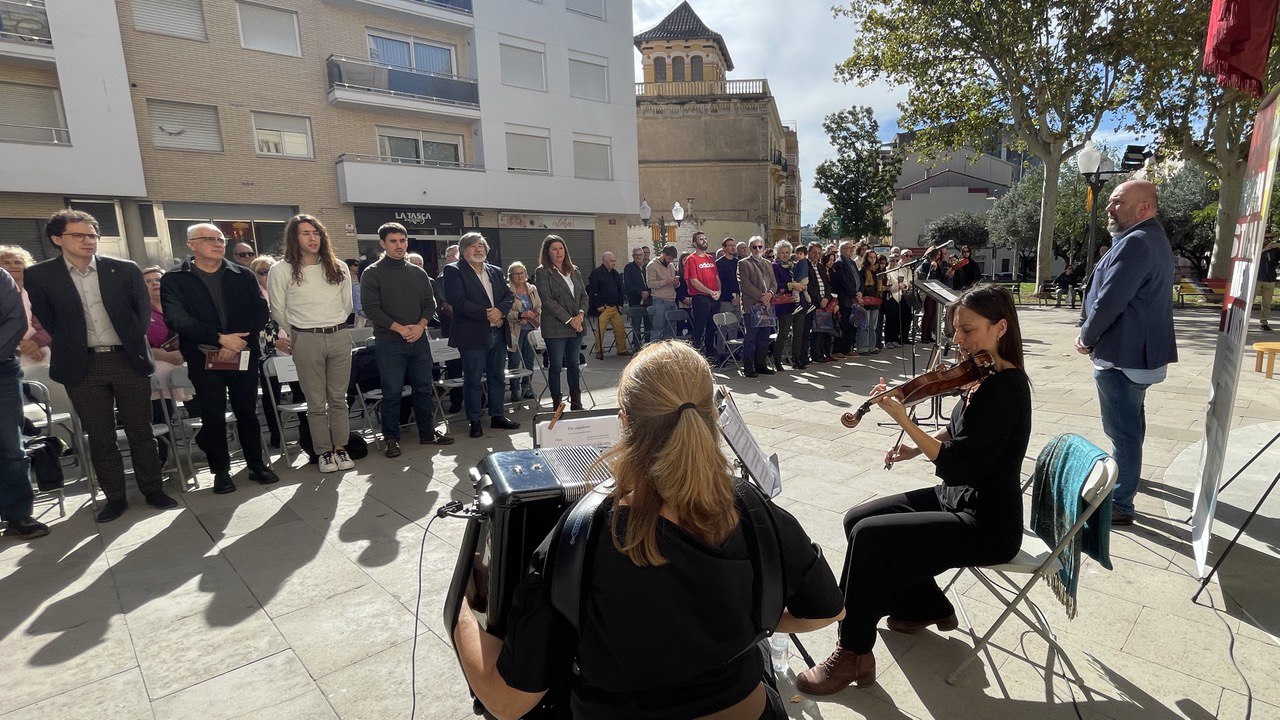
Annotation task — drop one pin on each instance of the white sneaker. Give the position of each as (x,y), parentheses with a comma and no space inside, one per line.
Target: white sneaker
(344,460)
(327,463)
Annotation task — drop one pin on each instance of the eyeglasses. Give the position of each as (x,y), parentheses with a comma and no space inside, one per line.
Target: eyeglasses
(209,239)
(81,236)
(244,254)
(264,273)
(757,247)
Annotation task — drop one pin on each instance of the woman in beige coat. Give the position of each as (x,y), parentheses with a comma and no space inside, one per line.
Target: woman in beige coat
(525,316)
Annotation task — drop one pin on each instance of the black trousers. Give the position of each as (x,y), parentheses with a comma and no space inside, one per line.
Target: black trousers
(704,327)
(890,315)
(897,544)
(848,332)
(215,388)
(112,385)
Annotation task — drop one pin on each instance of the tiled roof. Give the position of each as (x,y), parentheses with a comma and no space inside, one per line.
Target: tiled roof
(684,24)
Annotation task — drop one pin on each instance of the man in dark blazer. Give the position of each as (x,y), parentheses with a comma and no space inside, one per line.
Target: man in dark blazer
(97,310)
(212,303)
(481,299)
(1128,329)
(846,283)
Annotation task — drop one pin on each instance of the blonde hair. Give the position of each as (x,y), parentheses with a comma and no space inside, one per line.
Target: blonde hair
(18,252)
(260,262)
(514,266)
(668,455)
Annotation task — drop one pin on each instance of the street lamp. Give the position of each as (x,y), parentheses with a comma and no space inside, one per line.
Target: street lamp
(1094,166)
(645,212)
(677,213)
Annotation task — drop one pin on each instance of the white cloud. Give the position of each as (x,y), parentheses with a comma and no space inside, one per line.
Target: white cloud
(796,46)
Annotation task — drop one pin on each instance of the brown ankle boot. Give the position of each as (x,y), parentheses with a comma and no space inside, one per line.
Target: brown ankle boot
(843,668)
(575,399)
(911,627)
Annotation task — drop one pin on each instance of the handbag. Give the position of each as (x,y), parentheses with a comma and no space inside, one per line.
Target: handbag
(858,315)
(44,452)
(762,316)
(824,322)
(871,301)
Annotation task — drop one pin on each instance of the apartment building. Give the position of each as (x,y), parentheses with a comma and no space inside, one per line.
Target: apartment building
(514,118)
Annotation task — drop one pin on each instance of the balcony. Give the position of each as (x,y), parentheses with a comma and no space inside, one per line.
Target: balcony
(362,83)
(383,180)
(703,88)
(32,134)
(24,30)
(779,219)
(445,14)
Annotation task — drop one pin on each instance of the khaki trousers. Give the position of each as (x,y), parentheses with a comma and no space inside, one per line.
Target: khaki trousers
(611,316)
(324,371)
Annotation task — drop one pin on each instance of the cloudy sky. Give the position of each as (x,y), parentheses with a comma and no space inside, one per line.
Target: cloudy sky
(796,44)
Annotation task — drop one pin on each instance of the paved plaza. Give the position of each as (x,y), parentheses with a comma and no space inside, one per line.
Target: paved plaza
(297,601)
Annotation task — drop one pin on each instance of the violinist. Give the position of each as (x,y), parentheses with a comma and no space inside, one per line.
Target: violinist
(898,543)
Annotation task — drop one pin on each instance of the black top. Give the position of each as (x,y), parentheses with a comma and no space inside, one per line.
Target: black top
(395,291)
(191,311)
(727,269)
(634,283)
(660,642)
(604,286)
(981,465)
(213,281)
(1267,266)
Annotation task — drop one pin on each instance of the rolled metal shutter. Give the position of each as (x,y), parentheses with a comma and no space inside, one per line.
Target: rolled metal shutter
(182,18)
(524,245)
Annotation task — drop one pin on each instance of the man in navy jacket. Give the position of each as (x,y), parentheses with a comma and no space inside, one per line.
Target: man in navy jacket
(1128,329)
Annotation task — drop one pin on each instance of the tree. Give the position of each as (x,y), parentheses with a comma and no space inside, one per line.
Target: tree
(859,183)
(1048,68)
(1195,117)
(961,228)
(1188,207)
(1014,220)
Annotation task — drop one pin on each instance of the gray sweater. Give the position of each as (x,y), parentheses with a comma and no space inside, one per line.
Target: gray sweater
(395,291)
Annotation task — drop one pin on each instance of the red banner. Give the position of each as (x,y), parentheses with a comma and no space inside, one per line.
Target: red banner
(1239,42)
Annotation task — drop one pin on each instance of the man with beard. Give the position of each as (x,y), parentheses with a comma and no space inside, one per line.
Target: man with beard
(704,290)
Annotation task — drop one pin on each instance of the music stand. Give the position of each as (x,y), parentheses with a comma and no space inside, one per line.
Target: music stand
(945,297)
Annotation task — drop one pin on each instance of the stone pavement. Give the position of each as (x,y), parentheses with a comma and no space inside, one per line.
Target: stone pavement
(298,601)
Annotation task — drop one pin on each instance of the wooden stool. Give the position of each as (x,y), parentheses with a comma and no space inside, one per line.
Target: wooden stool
(1270,348)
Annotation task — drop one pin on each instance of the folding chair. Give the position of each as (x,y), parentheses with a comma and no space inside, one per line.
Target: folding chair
(540,349)
(283,369)
(41,416)
(678,319)
(607,344)
(635,317)
(360,337)
(1036,560)
(442,353)
(58,411)
(180,379)
(732,346)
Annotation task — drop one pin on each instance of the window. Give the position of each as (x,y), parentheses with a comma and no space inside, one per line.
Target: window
(419,147)
(591,158)
(659,69)
(180,18)
(31,113)
(695,68)
(677,69)
(529,152)
(184,126)
(588,77)
(594,8)
(412,53)
(147,211)
(283,135)
(269,30)
(523,67)
(103,212)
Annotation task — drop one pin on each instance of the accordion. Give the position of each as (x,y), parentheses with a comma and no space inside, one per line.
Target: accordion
(519,497)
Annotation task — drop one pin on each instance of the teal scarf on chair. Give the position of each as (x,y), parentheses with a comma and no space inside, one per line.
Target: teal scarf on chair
(1061,471)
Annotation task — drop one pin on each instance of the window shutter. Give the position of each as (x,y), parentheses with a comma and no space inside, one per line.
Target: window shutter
(528,152)
(181,18)
(522,68)
(28,111)
(183,126)
(588,80)
(268,29)
(590,160)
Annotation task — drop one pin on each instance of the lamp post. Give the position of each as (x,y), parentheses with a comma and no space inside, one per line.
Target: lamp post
(1095,167)
(677,213)
(645,212)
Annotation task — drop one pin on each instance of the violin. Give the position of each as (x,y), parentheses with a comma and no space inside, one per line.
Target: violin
(944,381)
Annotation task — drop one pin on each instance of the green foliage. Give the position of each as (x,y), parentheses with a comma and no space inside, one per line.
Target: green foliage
(1188,209)
(961,228)
(1014,221)
(859,182)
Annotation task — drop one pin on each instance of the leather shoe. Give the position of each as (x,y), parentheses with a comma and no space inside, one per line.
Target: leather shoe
(476,430)
(112,510)
(843,668)
(911,627)
(764,370)
(26,529)
(1121,519)
(222,484)
(160,501)
(503,423)
(435,438)
(393,449)
(263,476)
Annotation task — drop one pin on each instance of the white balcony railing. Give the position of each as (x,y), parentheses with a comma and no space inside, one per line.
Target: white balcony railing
(33,134)
(390,160)
(24,21)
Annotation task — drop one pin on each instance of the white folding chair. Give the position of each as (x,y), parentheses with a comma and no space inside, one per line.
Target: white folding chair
(59,411)
(732,345)
(41,415)
(180,380)
(163,432)
(283,369)
(442,353)
(1036,561)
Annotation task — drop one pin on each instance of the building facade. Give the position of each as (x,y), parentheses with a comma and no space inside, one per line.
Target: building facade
(714,144)
(515,119)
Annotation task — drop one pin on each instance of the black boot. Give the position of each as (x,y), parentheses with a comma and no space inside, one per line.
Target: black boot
(749,368)
(575,399)
(762,365)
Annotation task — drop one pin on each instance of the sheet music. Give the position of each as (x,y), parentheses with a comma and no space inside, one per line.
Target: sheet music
(761,469)
(600,431)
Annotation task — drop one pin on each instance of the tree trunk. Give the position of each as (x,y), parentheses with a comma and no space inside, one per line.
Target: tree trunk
(1230,188)
(1048,206)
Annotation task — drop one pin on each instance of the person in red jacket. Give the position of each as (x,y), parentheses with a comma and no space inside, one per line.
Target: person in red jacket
(703,280)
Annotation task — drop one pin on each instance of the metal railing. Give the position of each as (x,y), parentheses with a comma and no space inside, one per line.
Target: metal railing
(402,82)
(461,5)
(784,219)
(35,134)
(24,21)
(391,160)
(702,88)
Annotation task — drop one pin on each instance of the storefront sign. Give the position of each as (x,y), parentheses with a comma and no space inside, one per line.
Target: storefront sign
(442,221)
(546,222)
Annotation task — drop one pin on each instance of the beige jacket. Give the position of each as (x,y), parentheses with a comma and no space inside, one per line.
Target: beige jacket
(513,317)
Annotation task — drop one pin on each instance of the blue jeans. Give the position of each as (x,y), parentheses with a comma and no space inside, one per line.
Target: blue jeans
(867,331)
(399,364)
(1124,420)
(16,496)
(485,365)
(524,353)
(562,353)
(661,326)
